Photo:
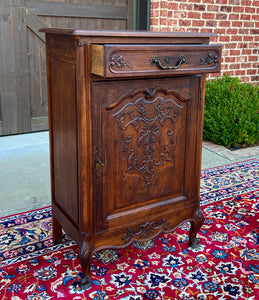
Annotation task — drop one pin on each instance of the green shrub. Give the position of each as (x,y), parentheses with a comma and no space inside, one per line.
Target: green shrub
(231,116)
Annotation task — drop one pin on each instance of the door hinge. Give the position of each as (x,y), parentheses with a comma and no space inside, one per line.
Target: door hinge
(98,162)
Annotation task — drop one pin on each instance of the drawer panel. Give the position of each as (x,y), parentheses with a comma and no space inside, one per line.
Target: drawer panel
(116,60)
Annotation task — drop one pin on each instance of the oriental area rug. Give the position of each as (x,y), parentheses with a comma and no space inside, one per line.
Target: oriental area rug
(225,266)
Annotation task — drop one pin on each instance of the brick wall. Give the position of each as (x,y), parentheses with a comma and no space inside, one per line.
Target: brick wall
(235,21)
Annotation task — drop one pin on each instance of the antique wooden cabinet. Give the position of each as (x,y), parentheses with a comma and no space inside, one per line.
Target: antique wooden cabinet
(126,117)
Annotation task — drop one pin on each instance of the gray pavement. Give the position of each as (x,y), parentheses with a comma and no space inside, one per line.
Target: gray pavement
(25,173)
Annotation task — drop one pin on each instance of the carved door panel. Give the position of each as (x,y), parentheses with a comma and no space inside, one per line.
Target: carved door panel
(140,144)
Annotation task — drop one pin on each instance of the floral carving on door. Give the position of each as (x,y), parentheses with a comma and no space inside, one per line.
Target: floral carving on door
(149,135)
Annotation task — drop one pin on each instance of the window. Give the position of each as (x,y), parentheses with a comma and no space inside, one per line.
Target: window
(141,14)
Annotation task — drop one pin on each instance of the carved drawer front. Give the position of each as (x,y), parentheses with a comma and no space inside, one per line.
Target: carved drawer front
(118,60)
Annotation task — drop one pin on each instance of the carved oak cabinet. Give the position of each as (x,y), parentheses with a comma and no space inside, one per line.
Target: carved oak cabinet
(126,118)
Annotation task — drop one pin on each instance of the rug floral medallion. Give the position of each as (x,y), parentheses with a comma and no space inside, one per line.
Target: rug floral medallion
(225,266)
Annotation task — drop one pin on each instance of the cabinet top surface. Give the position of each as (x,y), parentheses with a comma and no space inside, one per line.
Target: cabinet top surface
(125,33)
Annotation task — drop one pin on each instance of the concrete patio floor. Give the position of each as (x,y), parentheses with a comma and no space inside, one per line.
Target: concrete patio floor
(25,173)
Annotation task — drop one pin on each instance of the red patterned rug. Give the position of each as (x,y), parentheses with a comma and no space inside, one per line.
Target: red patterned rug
(225,266)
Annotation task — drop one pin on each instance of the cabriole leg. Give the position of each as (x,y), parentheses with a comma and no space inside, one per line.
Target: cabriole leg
(85,252)
(196,224)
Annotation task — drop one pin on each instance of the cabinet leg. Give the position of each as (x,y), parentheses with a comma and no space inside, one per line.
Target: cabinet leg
(195,227)
(85,252)
(56,231)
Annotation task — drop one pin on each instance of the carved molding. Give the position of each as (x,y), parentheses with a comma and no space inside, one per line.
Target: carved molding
(149,94)
(118,61)
(82,44)
(210,59)
(145,231)
(84,245)
(200,215)
(149,147)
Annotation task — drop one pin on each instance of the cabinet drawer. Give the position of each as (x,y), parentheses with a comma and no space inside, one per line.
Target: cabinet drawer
(116,60)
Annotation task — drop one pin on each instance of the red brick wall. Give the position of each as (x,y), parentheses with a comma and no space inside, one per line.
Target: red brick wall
(235,21)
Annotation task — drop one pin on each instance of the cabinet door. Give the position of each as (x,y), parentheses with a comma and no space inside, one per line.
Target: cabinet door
(144,146)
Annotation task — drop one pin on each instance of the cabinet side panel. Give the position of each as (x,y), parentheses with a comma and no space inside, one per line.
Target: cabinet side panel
(64,131)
